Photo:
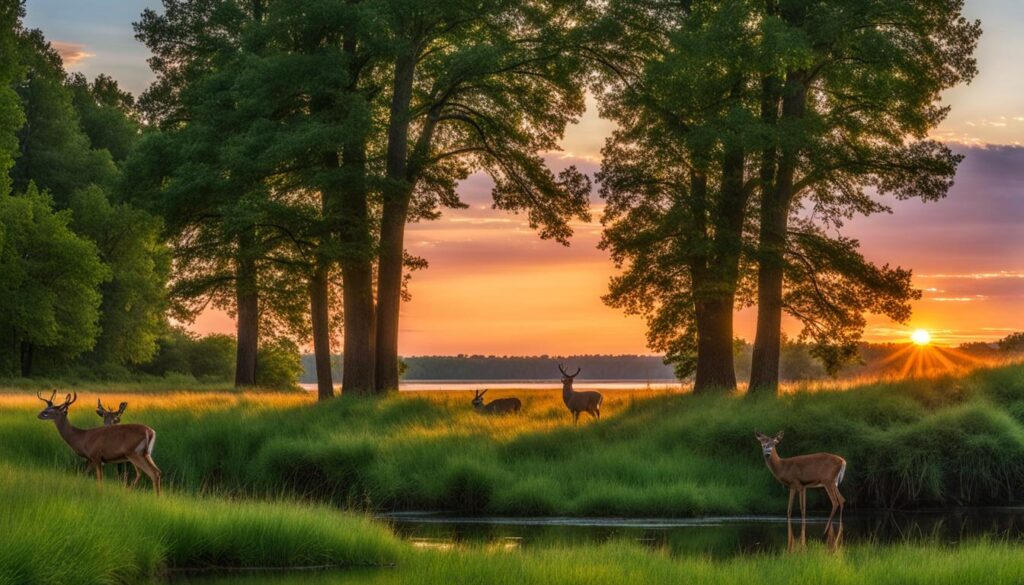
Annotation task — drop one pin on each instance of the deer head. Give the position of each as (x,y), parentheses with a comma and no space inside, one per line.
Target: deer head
(567,378)
(56,411)
(110,417)
(768,443)
(478,398)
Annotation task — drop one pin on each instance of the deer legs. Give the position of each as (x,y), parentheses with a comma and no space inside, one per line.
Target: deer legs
(789,519)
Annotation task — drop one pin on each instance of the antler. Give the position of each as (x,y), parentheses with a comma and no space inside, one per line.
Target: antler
(560,369)
(68,400)
(578,370)
(48,402)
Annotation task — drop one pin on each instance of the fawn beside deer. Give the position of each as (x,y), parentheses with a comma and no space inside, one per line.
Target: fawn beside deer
(107,444)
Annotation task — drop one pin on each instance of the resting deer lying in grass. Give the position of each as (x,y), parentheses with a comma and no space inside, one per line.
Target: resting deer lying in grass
(823,470)
(110,417)
(108,444)
(499,406)
(577,402)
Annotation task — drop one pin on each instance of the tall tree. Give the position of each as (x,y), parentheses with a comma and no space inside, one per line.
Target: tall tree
(476,84)
(679,81)
(195,177)
(856,90)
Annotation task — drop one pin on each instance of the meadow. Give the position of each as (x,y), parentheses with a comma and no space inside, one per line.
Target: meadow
(955,440)
(255,479)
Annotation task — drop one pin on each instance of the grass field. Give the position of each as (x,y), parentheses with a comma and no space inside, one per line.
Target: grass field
(941,441)
(57,529)
(246,472)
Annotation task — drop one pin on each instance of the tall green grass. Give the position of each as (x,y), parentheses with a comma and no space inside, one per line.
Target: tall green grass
(627,564)
(60,530)
(952,440)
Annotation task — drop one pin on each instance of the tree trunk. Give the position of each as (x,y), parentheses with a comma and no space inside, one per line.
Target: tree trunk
(715,364)
(764,372)
(26,359)
(248,317)
(775,207)
(392,235)
(357,276)
(318,285)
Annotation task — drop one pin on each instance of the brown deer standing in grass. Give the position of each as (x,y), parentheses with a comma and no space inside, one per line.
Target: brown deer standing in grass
(499,406)
(108,444)
(823,470)
(577,402)
(110,417)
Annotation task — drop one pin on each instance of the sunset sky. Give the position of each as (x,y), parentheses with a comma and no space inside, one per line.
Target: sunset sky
(493,287)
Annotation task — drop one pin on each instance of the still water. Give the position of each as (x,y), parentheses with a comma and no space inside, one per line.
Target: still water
(716,537)
(710,536)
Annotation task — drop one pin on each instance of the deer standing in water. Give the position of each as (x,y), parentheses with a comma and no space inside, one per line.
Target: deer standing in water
(110,417)
(577,402)
(499,406)
(108,444)
(798,473)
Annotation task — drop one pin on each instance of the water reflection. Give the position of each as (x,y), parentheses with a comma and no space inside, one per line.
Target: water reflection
(715,536)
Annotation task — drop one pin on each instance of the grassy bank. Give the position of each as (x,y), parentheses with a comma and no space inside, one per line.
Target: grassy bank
(626,564)
(943,441)
(60,530)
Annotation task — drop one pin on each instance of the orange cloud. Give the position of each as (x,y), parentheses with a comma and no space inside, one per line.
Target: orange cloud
(71,53)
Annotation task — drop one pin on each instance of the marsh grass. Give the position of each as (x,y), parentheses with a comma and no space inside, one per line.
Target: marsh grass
(940,441)
(61,530)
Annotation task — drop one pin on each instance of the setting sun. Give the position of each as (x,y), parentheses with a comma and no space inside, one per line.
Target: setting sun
(921,337)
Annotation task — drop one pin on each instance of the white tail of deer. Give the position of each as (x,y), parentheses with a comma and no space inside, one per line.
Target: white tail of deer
(107,444)
(578,402)
(499,406)
(798,473)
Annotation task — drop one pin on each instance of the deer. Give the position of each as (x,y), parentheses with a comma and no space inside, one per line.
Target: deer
(110,417)
(499,406)
(577,402)
(106,444)
(817,470)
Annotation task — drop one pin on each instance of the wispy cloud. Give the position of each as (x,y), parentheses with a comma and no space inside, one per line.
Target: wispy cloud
(71,53)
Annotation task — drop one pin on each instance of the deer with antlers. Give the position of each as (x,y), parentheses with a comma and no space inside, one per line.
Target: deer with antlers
(108,444)
(578,402)
(110,417)
(798,473)
(499,406)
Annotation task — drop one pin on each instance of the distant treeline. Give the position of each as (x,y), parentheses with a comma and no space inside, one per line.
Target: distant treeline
(796,363)
(544,367)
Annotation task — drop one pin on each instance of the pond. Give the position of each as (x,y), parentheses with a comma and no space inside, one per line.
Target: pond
(715,537)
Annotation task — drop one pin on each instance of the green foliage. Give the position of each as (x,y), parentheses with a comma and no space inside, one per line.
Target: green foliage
(210,358)
(279,364)
(54,151)
(11,114)
(106,114)
(134,299)
(49,280)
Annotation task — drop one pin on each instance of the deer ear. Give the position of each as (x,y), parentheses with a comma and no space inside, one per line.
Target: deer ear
(758,434)
(120,409)
(778,437)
